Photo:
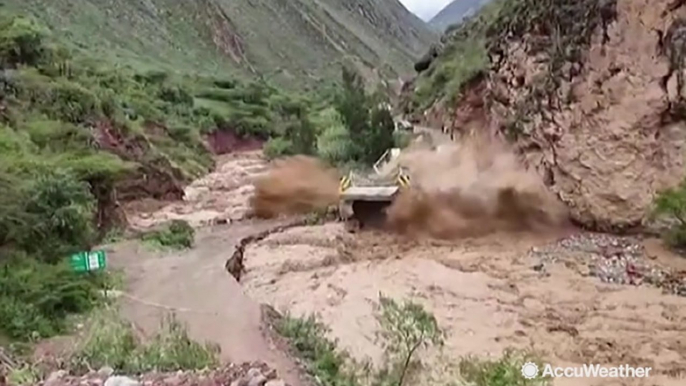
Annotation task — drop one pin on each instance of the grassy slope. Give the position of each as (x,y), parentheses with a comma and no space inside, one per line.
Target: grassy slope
(289,40)
(78,138)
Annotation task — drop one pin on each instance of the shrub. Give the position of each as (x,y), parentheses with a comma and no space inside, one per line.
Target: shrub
(301,134)
(23,376)
(176,95)
(380,136)
(152,77)
(35,298)
(13,220)
(506,370)
(671,205)
(225,84)
(401,139)
(60,209)
(278,147)
(70,102)
(109,104)
(110,341)
(56,135)
(335,145)
(177,235)
(22,41)
(307,336)
(173,349)
(93,166)
(406,328)
(183,134)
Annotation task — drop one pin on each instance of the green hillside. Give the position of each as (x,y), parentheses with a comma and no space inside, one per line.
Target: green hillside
(285,40)
(80,138)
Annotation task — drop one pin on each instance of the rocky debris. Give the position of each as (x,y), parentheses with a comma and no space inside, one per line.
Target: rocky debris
(6,360)
(247,374)
(218,198)
(612,259)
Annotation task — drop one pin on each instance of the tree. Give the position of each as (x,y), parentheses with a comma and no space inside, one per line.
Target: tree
(61,209)
(406,328)
(382,126)
(301,132)
(352,105)
(368,122)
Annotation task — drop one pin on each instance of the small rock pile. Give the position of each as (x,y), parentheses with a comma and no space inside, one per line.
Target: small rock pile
(612,259)
(248,374)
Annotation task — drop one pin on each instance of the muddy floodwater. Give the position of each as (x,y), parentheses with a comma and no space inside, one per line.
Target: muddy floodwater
(561,294)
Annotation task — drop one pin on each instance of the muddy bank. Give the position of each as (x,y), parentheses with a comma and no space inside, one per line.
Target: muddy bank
(235,265)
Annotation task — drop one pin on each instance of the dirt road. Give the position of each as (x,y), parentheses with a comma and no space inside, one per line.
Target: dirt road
(194,283)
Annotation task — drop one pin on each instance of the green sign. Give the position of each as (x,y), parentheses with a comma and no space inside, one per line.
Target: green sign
(88,261)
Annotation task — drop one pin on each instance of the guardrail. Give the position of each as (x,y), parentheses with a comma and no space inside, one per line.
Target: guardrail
(387,157)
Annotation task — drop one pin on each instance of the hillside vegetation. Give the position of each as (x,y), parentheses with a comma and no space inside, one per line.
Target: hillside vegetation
(79,138)
(292,42)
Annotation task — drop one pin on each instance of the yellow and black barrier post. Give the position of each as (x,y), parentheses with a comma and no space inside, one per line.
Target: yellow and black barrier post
(403,180)
(345,184)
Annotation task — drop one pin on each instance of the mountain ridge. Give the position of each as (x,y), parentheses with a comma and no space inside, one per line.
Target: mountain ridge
(289,41)
(455,12)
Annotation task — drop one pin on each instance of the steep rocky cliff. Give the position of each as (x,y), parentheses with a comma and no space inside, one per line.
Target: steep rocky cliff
(586,90)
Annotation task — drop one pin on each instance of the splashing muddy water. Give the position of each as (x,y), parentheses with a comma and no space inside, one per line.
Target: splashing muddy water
(472,188)
(459,190)
(295,185)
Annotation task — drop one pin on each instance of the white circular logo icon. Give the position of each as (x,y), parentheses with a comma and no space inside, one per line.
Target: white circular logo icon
(529,370)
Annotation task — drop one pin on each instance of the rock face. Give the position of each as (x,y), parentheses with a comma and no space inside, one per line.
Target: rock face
(611,135)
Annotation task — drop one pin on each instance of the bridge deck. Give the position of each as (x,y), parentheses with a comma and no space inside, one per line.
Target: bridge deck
(369,193)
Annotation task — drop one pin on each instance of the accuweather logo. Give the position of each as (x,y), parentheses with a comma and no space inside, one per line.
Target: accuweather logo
(530,370)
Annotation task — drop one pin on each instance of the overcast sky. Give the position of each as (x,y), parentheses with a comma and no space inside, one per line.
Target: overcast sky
(426,9)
